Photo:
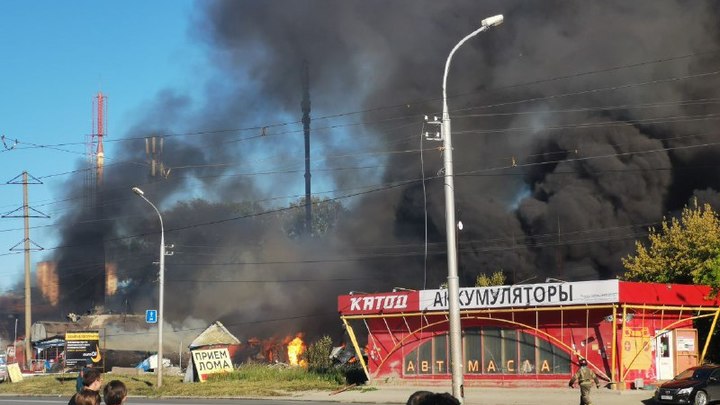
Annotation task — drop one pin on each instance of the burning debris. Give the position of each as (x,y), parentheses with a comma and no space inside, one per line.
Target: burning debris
(295,349)
(288,350)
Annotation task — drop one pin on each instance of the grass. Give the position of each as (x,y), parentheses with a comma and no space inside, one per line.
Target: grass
(248,380)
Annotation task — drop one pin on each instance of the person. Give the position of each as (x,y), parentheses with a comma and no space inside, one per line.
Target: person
(92,380)
(431,398)
(87,397)
(417,396)
(585,378)
(115,393)
(81,372)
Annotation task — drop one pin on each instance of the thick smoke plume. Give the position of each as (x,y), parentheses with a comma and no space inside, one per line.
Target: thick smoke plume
(555,178)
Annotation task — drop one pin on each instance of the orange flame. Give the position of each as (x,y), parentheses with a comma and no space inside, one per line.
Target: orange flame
(111,279)
(48,281)
(295,348)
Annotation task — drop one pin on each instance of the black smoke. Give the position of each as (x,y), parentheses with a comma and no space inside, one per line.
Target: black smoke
(576,125)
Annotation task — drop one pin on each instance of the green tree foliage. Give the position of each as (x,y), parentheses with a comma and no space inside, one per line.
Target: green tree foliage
(325,214)
(318,355)
(684,250)
(497,278)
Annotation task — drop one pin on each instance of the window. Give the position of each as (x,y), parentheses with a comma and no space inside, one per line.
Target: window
(431,357)
(552,360)
(509,351)
(492,351)
(425,358)
(473,352)
(440,355)
(527,354)
(489,351)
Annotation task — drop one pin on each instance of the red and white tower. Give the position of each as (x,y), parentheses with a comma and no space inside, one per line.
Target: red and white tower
(99,130)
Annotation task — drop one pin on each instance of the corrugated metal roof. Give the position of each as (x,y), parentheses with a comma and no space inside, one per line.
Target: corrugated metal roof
(215,334)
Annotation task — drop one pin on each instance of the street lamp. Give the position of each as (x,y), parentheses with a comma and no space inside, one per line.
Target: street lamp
(450,225)
(159,370)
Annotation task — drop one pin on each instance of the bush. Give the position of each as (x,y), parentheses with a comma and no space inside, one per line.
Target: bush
(320,363)
(318,356)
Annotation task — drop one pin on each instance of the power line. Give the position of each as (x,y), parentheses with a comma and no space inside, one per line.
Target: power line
(407,182)
(406,104)
(693,102)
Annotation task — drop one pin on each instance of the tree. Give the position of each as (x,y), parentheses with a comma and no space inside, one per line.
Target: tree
(325,214)
(684,251)
(497,278)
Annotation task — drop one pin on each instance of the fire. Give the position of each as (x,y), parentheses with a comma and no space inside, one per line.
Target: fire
(48,281)
(295,348)
(111,280)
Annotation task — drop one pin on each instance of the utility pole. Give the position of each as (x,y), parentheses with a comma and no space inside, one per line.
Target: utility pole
(451,226)
(26,248)
(306,129)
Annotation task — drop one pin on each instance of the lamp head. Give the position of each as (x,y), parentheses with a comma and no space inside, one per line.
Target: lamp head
(493,21)
(137,191)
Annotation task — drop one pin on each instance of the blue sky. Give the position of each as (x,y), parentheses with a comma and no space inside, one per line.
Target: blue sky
(55,56)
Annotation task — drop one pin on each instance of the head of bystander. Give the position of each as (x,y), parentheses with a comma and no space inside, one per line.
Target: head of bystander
(431,398)
(87,397)
(115,393)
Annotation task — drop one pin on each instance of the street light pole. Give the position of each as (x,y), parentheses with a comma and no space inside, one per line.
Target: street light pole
(450,225)
(161,280)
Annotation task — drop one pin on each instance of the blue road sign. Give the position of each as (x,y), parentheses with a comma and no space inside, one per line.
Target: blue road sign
(151,316)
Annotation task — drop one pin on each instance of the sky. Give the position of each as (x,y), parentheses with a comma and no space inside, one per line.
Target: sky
(56,56)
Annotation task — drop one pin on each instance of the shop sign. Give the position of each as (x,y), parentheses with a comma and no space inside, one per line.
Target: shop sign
(211,361)
(82,347)
(525,295)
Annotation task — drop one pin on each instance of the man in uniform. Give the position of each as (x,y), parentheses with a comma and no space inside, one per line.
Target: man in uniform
(585,378)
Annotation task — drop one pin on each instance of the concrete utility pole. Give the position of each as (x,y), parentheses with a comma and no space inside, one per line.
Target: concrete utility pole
(161,281)
(450,225)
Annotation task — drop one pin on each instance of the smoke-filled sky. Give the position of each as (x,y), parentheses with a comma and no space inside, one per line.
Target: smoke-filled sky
(576,125)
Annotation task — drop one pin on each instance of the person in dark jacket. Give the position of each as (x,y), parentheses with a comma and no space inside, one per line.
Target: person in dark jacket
(92,380)
(79,379)
(585,378)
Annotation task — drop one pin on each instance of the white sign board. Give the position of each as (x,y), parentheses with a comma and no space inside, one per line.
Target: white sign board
(685,344)
(211,361)
(525,295)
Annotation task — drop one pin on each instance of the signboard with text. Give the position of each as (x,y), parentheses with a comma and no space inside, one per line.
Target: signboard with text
(14,372)
(503,296)
(82,347)
(211,361)
(525,295)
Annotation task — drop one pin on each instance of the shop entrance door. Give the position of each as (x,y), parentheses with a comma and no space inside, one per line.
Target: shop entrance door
(664,356)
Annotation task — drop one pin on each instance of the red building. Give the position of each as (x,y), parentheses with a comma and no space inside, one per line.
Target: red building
(630,333)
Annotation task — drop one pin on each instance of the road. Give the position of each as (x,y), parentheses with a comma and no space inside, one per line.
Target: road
(395,395)
(171,401)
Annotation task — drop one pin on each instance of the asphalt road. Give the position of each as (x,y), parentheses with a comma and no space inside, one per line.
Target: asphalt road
(394,395)
(171,401)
